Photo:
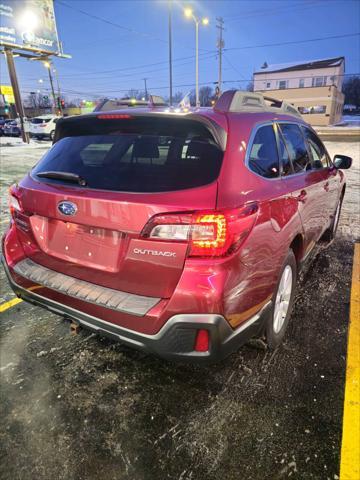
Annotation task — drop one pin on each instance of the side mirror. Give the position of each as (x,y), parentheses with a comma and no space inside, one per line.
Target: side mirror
(342,162)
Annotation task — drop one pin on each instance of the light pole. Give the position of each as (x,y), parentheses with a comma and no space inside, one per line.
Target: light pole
(58,89)
(48,66)
(170,53)
(205,21)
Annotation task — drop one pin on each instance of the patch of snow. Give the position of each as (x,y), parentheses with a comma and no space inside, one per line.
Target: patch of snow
(282,66)
(17,142)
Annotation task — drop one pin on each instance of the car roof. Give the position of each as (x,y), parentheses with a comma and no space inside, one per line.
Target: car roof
(50,115)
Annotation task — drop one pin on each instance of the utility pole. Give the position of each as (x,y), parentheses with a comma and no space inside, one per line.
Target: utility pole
(220,46)
(170,54)
(47,65)
(58,89)
(15,86)
(146,92)
(52,88)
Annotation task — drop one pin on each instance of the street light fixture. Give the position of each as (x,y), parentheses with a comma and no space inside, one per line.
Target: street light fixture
(204,21)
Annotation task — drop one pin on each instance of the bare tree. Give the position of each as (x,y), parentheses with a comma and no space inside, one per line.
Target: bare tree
(37,100)
(177,97)
(250,87)
(206,94)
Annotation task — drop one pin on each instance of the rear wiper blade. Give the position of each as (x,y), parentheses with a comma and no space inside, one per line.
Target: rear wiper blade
(70,177)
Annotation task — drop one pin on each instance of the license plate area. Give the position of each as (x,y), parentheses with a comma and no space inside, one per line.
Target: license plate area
(88,246)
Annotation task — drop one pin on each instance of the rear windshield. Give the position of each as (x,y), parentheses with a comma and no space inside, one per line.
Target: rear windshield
(40,120)
(135,162)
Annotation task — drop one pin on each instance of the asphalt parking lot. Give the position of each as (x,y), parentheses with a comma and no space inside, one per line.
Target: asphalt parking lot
(84,407)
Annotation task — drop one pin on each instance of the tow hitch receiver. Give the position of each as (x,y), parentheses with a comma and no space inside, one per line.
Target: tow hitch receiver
(74,328)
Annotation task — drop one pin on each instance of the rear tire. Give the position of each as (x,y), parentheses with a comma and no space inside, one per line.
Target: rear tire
(282,302)
(335,222)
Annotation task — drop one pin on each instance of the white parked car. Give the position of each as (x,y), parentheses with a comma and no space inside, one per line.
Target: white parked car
(43,126)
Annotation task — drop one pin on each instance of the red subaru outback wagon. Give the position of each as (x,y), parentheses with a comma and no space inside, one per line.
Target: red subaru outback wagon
(180,234)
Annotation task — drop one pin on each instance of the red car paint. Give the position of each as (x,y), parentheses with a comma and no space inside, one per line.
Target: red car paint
(104,242)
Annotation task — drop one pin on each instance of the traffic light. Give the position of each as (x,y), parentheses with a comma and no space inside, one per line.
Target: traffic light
(60,103)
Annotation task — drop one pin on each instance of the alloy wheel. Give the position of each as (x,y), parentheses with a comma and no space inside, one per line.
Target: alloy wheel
(282,300)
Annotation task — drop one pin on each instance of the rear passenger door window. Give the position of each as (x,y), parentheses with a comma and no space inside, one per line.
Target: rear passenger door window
(319,156)
(263,158)
(296,146)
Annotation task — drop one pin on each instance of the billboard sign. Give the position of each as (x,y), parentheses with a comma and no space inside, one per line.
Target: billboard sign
(7,92)
(29,25)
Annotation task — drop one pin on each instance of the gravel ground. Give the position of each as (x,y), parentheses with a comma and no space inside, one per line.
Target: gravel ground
(82,407)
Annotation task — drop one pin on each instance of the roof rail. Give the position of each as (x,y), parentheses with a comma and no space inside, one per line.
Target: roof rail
(241,101)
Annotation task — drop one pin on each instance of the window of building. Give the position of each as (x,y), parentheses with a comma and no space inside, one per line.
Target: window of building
(263,158)
(296,146)
(268,84)
(319,81)
(282,84)
(302,83)
(317,149)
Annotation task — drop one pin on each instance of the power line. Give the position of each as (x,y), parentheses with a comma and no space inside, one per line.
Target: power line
(272,11)
(294,42)
(117,70)
(109,22)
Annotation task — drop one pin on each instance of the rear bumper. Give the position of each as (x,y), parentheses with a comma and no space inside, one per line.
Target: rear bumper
(174,341)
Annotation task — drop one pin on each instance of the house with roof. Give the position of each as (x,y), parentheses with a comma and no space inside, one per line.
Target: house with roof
(313,86)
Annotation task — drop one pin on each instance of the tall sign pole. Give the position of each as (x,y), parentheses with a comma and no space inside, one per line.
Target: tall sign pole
(15,86)
(220,46)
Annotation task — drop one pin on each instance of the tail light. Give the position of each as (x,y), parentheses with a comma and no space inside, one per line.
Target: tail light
(17,213)
(209,233)
(202,341)
(113,116)
(14,203)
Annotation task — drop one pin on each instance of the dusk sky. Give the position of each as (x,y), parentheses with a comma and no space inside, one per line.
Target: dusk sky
(111,58)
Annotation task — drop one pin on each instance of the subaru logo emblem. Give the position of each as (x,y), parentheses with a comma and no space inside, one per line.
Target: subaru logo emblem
(67,208)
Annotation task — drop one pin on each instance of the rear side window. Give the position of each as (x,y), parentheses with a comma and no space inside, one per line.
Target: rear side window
(263,158)
(36,121)
(317,149)
(135,161)
(296,146)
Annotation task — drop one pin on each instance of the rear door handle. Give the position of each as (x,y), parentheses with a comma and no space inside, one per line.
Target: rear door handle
(302,196)
(326,186)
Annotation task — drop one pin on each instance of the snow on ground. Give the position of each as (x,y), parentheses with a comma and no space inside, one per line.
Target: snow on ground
(17,142)
(351,120)
(350,216)
(16,158)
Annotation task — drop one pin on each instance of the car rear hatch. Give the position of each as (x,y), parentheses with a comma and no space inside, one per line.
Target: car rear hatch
(86,205)
(38,125)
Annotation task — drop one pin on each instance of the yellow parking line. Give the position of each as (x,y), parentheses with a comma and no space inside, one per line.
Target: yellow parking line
(350,448)
(9,304)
